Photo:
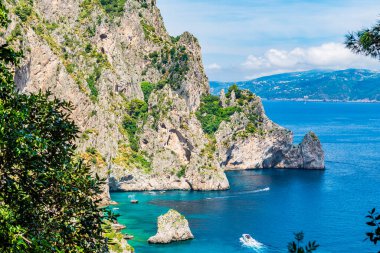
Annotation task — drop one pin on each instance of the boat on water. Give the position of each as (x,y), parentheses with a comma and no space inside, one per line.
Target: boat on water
(134,201)
(247,240)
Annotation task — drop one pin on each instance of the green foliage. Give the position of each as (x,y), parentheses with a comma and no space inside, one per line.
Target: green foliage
(15,34)
(172,63)
(374,222)
(175,39)
(366,41)
(211,113)
(150,32)
(91,82)
(147,88)
(47,198)
(137,111)
(23,9)
(181,172)
(70,68)
(144,5)
(296,247)
(3,16)
(131,159)
(242,96)
(114,8)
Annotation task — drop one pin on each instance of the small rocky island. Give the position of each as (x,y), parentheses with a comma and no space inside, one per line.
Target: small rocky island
(172,226)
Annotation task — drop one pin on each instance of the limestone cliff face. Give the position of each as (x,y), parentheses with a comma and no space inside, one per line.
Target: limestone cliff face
(136,91)
(251,140)
(97,58)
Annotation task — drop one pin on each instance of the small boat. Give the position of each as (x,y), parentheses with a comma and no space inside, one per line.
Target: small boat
(134,201)
(247,238)
(248,241)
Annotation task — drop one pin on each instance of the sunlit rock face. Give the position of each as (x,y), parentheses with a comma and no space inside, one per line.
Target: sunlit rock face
(172,227)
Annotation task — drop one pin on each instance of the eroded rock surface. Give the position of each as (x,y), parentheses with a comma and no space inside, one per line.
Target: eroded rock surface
(172,226)
(251,140)
(99,60)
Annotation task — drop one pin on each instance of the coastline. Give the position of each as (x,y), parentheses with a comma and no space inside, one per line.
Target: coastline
(364,101)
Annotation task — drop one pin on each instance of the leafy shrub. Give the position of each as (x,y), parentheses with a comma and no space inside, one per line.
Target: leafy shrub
(211,113)
(374,222)
(296,247)
(173,63)
(137,112)
(131,159)
(181,172)
(23,10)
(47,198)
(91,82)
(113,8)
(147,88)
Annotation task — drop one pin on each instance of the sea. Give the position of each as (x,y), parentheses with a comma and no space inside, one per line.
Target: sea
(271,205)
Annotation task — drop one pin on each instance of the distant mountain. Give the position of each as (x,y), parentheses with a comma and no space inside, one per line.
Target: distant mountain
(325,85)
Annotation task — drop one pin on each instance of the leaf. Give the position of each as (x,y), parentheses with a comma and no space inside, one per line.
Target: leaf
(371,223)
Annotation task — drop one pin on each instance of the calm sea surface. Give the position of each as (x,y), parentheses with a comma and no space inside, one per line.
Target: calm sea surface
(329,206)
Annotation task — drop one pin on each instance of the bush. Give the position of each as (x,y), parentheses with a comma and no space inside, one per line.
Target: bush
(47,198)
(211,113)
(137,112)
(296,247)
(374,222)
(23,10)
(91,82)
(147,89)
(113,8)
(181,172)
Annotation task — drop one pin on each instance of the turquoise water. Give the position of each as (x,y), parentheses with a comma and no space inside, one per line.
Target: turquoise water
(270,205)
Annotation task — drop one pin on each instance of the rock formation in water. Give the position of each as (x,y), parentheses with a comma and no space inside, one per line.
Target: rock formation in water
(250,140)
(136,92)
(172,226)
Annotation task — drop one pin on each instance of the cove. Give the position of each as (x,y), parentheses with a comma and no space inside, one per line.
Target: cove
(329,206)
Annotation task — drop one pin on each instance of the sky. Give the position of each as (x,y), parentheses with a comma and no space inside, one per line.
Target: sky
(246,39)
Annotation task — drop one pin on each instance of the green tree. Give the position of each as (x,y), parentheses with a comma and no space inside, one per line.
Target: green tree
(47,197)
(296,246)
(374,222)
(366,41)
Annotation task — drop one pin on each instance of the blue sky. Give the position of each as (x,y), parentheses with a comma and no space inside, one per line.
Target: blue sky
(245,39)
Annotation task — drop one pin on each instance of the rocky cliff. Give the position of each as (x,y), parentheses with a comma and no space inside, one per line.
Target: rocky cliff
(251,140)
(137,95)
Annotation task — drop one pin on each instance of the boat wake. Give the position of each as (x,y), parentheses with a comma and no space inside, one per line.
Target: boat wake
(255,191)
(248,242)
(242,193)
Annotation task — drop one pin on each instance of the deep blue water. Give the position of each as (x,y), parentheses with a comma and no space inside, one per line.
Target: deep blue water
(329,206)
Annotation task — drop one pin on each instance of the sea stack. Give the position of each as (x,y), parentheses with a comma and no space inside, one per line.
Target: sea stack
(172,226)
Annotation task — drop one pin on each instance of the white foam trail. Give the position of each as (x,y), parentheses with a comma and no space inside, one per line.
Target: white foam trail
(255,191)
(253,244)
(242,193)
(131,196)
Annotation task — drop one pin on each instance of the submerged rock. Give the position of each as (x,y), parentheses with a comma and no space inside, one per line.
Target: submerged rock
(172,226)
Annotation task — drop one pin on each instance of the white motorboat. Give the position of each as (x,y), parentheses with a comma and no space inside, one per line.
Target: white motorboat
(247,240)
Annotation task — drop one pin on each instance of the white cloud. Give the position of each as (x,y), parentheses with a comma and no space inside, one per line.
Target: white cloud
(325,56)
(213,66)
